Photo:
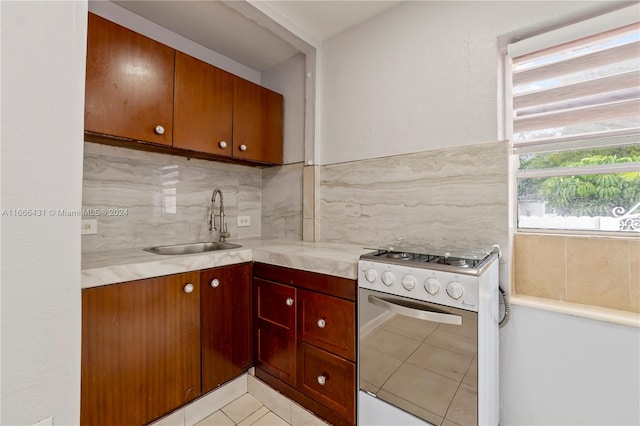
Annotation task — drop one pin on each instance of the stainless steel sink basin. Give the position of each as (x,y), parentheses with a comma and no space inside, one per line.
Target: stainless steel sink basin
(192,248)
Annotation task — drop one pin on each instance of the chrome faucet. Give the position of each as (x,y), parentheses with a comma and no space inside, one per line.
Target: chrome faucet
(222,233)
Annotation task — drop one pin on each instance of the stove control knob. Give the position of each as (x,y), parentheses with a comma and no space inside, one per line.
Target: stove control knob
(388,278)
(455,290)
(370,275)
(409,282)
(432,286)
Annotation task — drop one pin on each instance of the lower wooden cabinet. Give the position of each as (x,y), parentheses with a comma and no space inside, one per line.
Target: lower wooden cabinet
(327,378)
(305,339)
(276,329)
(153,345)
(140,349)
(227,332)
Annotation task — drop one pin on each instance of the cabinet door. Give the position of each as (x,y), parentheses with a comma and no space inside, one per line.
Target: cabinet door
(203,107)
(328,379)
(257,123)
(327,322)
(226,321)
(275,329)
(129,84)
(140,349)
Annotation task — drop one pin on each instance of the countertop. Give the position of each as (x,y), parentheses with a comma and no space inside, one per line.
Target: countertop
(115,266)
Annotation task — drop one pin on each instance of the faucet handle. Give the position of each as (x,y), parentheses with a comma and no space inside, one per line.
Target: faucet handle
(223,234)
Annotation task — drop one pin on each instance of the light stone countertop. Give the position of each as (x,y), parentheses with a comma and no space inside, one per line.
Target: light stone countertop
(115,266)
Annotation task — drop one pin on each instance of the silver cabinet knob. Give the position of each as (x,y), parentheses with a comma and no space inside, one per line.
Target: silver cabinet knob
(222,144)
(322,323)
(322,380)
(215,282)
(159,130)
(289,301)
(188,288)
(243,147)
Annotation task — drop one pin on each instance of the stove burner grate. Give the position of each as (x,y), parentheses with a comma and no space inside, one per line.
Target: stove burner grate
(454,261)
(424,258)
(399,255)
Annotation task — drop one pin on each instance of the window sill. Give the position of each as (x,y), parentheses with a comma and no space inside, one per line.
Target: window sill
(631,319)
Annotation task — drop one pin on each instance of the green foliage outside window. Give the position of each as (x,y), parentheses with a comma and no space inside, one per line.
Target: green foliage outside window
(583,195)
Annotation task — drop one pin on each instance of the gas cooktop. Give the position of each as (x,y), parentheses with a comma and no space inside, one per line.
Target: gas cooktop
(426,255)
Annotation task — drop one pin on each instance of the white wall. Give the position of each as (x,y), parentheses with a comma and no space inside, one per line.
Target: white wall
(562,370)
(43,61)
(424,76)
(288,78)
(419,77)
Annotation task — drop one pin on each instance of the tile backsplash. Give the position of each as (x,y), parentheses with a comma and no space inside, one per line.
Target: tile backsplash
(164,199)
(282,202)
(447,196)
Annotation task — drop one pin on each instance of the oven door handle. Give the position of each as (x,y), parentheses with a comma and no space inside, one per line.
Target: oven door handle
(425,314)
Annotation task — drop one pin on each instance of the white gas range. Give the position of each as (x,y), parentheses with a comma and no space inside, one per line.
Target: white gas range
(428,335)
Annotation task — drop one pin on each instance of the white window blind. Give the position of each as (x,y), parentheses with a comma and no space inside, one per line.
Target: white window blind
(574,94)
(582,90)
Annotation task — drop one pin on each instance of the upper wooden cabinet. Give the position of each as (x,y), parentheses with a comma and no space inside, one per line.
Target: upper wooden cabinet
(203,107)
(258,125)
(140,90)
(129,84)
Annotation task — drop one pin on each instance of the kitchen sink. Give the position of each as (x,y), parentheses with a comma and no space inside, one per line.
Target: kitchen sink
(192,248)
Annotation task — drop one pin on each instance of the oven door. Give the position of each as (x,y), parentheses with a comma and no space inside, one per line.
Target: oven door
(418,357)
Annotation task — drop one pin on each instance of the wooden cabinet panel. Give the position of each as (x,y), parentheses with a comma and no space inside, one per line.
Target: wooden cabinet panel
(293,362)
(203,107)
(129,84)
(226,321)
(327,322)
(275,329)
(140,349)
(258,123)
(327,284)
(134,84)
(327,378)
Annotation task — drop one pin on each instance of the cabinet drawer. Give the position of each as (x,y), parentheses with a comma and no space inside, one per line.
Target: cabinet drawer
(328,379)
(327,322)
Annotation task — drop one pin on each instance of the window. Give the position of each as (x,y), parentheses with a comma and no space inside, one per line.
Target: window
(575,126)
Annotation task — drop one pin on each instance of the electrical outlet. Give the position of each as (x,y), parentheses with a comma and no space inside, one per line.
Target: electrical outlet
(89,226)
(244,221)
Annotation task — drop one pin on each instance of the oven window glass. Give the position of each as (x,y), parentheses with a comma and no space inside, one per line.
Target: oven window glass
(426,368)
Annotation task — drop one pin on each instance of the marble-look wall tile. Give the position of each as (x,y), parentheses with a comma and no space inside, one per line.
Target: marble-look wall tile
(282,202)
(456,195)
(166,198)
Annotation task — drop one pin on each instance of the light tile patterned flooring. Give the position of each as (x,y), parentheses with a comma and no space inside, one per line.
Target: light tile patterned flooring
(244,411)
(244,401)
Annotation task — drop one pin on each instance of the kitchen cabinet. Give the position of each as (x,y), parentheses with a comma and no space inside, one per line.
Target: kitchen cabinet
(203,104)
(143,94)
(276,329)
(305,339)
(129,84)
(226,323)
(140,349)
(258,123)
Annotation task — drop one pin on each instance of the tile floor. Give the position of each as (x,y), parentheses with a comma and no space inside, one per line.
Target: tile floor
(244,411)
(244,401)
